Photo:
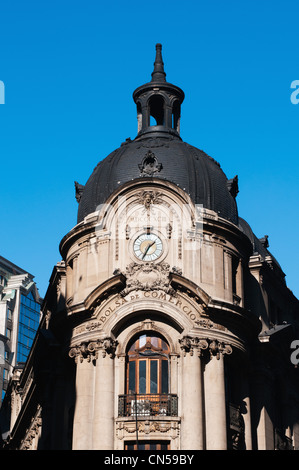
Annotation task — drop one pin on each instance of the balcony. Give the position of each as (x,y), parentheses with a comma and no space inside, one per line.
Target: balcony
(282,442)
(146,405)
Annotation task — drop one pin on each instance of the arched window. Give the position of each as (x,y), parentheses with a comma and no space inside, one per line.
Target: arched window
(147,370)
(156,110)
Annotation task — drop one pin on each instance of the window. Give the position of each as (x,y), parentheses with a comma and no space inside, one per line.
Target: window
(148,365)
(9,314)
(147,445)
(28,325)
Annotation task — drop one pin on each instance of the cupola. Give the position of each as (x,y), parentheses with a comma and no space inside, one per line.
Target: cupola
(158,102)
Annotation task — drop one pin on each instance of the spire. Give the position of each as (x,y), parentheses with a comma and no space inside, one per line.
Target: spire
(158,74)
(158,102)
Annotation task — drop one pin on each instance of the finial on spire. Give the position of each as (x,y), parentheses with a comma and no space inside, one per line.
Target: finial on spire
(158,74)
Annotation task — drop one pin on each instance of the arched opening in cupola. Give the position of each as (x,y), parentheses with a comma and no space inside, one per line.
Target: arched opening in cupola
(156,111)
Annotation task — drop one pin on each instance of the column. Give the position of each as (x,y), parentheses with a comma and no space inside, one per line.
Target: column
(246,411)
(103,421)
(83,414)
(192,434)
(215,403)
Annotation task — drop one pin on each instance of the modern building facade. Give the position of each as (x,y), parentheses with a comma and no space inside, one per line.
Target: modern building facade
(167,324)
(20,314)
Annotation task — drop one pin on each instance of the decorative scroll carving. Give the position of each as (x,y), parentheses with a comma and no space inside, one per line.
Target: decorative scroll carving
(127,428)
(216,348)
(146,198)
(207,323)
(32,432)
(91,350)
(149,165)
(148,276)
(191,344)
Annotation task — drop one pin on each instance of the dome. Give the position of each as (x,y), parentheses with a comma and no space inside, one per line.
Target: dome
(159,152)
(167,158)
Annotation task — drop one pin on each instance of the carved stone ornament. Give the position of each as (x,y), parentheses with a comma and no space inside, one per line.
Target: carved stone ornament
(79,188)
(147,277)
(127,428)
(91,350)
(149,165)
(233,187)
(218,348)
(32,432)
(147,198)
(190,344)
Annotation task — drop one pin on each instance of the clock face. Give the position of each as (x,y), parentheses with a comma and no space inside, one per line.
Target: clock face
(148,247)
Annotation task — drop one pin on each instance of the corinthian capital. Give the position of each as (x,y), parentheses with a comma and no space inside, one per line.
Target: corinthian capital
(193,345)
(218,348)
(91,349)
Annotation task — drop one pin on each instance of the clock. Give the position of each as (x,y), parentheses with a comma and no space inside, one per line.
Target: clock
(148,247)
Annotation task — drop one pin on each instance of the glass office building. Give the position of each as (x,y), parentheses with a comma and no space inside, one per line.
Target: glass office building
(28,325)
(20,305)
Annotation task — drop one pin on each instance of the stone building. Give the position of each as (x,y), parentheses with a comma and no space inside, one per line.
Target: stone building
(167,324)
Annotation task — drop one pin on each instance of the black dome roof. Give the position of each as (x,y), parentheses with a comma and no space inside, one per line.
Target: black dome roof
(167,158)
(158,151)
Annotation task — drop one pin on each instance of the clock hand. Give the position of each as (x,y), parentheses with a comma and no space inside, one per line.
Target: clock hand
(147,248)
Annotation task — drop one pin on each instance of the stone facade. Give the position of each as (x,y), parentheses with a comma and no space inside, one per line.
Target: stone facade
(159,328)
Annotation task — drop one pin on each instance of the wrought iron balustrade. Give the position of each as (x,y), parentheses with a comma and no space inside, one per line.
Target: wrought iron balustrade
(282,442)
(236,428)
(145,405)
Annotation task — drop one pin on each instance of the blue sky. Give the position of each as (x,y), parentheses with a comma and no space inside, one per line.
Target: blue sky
(69,70)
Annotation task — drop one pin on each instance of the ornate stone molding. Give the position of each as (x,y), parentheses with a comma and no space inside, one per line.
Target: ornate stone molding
(92,349)
(148,276)
(32,432)
(219,348)
(149,165)
(208,324)
(146,198)
(171,428)
(192,345)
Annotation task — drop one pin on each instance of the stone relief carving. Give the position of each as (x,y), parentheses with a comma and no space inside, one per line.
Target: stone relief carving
(148,276)
(32,432)
(89,351)
(190,344)
(147,198)
(218,348)
(170,427)
(149,165)
(208,324)
(79,188)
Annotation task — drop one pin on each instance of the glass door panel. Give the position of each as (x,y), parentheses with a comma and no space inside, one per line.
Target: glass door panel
(142,376)
(153,376)
(165,375)
(132,377)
